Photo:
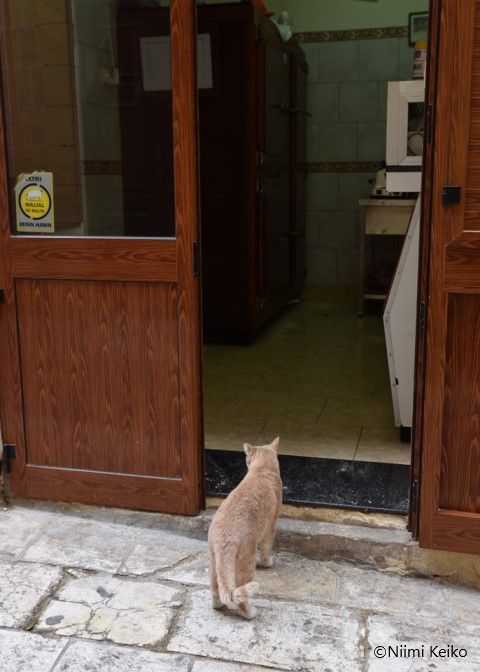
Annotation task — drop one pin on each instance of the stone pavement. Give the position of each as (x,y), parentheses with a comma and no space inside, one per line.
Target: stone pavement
(96,590)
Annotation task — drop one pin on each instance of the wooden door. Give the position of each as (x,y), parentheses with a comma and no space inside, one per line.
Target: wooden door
(100,334)
(450,485)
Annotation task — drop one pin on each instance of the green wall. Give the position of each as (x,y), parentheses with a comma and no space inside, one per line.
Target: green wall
(312,15)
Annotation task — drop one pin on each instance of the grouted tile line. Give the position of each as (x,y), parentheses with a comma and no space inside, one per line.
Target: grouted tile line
(194,657)
(33,617)
(21,555)
(68,644)
(364,643)
(163,646)
(157,572)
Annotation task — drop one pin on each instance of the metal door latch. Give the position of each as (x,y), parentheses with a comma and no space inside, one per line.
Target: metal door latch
(8,454)
(451,195)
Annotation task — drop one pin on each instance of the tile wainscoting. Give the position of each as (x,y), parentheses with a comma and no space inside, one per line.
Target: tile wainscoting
(347,94)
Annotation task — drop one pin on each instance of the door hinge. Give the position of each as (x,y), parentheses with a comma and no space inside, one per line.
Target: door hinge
(2,296)
(414,496)
(430,123)
(422,318)
(196,259)
(8,454)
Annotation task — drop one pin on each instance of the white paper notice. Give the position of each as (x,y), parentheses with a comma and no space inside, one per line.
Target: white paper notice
(157,63)
(204,56)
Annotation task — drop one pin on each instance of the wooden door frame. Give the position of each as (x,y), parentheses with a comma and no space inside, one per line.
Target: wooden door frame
(424,265)
(182,266)
(183,20)
(449,272)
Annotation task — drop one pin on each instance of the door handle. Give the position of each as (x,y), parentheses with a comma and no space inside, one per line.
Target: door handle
(451,195)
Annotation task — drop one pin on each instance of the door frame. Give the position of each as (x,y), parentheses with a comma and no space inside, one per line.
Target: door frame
(435,7)
(181,264)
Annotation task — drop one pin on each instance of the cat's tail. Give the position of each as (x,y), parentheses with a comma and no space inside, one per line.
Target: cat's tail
(242,593)
(229,594)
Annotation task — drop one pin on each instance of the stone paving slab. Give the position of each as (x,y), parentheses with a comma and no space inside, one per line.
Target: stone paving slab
(371,590)
(296,636)
(110,547)
(24,652)
(76,542)
(156,550)
(114,609)
(19,527)
(291,577)
(403,633)
(217,666)
(93,657)
(22,588)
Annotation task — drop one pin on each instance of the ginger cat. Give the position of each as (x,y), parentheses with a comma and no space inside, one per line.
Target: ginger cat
(247,518)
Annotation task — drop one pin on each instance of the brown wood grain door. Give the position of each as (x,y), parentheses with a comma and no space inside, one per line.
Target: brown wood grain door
(100,335)
(450,486)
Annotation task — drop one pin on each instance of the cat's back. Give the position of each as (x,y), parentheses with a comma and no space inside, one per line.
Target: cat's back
(249,507)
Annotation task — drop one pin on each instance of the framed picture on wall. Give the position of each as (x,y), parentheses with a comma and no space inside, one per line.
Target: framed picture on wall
(417,27)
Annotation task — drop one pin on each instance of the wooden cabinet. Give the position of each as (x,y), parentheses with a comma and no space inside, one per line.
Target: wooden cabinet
(252,143)
(252,118)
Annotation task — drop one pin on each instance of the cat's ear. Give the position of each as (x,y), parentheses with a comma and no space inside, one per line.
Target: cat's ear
(247,448)
(275,443)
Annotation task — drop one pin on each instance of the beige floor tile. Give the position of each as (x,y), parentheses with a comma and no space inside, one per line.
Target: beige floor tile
(226,434)
(318,376)
(382,445)
(298,409)
(310,440)
(357,412)
(360,389)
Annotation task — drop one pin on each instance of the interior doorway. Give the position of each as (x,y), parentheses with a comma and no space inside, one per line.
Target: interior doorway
(310,178)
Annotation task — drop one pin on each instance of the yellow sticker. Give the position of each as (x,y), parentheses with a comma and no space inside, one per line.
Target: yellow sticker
(34,203)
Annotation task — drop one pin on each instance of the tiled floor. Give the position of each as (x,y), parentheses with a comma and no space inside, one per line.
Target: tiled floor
(318,377)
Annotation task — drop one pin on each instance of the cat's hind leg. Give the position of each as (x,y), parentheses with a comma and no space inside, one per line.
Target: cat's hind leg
(244,574)
(216,602)
(265,548)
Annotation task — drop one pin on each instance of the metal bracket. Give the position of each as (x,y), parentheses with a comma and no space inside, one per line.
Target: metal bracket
(196,259)
(430,123)
(422,318)
(8,454)
(414,495)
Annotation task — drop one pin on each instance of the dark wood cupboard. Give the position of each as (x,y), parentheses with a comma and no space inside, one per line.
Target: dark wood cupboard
(252,118)
(252,144)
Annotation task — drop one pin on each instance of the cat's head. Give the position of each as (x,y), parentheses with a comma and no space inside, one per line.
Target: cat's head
(255,452)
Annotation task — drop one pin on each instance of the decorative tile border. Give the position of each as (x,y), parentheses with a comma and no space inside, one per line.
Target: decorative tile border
(354,34)
(102,167)
(340,167)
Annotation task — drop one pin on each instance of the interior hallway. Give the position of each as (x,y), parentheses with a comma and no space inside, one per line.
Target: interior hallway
(318,377)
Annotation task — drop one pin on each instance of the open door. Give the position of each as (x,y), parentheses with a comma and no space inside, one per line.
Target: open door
(450,485)
(100,329)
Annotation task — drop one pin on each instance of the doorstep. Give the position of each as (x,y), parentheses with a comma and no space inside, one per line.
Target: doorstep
(312,481)
(384,549)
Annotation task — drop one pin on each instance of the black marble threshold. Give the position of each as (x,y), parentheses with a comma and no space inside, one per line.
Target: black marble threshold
(312,481)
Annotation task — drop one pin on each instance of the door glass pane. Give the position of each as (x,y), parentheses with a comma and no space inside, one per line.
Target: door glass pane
(88,109)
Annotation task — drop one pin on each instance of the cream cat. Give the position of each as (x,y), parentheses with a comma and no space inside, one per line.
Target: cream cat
(247,518)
